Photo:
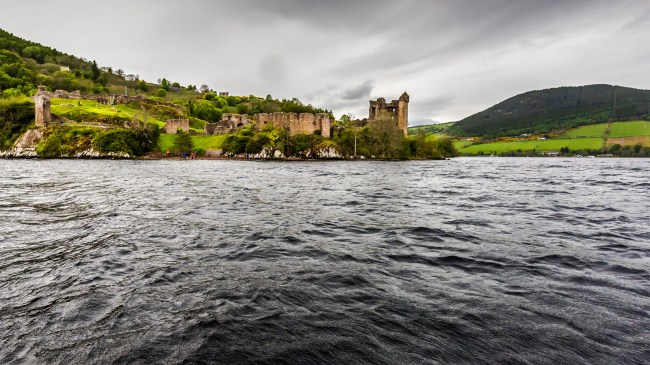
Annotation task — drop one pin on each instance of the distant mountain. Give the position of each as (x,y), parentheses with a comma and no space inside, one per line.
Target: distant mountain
(543,111)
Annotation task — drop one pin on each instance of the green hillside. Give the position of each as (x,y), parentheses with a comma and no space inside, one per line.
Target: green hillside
(545,111)
(132,128)
(620,138)
(438,128)
(24,65)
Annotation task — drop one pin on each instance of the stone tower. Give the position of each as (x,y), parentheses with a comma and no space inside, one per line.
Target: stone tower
(398,110)
(42,108)
(403,113)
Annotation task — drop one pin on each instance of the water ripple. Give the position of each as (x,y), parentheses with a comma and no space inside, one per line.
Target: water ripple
(538,261)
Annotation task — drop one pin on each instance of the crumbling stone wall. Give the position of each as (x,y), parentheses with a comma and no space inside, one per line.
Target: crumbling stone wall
(173,125)
(396,109)
(234,121)
(216,128)
(108,99)
(42,108)
(306,123)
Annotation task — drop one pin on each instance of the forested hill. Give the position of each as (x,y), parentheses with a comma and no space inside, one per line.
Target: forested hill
(24,65)
(543,111)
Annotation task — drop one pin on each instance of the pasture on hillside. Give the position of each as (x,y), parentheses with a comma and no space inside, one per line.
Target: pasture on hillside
(587,131)
(205,142)
(537,145)
(629,129)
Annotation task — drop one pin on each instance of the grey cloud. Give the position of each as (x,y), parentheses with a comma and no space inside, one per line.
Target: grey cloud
(453,57)
(360,91)
(428,108)
(273,68)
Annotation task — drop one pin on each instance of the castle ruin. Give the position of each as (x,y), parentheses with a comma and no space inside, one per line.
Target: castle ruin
(107,99)
(398,110)
(174,125)
(42,108)
(305,123)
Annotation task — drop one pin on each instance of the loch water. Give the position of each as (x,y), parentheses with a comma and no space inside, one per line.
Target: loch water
(466,261)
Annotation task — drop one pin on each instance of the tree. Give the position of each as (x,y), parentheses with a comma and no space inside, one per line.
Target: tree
(205,110)
(102,80)
(165,84)
(143,86)
(386,136)
(347,118)
(161,93)
(35,52)
(95,70)
(242,109)
(204,88)
(183,142)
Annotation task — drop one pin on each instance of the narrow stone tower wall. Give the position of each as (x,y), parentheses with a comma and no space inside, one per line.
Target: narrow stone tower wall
(403,113)
(42,108)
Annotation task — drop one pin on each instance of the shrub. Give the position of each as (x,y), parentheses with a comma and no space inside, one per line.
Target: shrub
(16,115)
(134,142)
(65,142)
(183,142)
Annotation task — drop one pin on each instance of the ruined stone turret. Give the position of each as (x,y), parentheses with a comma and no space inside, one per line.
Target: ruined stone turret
(42,108)
(398,110)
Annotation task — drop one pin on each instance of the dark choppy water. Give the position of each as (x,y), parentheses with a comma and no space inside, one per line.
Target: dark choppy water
(537,261)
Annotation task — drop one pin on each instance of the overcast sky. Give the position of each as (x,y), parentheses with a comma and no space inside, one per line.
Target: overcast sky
(454,58)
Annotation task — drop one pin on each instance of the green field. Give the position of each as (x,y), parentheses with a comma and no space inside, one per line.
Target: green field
(630,129)
(435,136)
(587,131)
(592,137)
(166,142)
(208,142)
(431,128)
(68,107)
(461,144)
(539,146)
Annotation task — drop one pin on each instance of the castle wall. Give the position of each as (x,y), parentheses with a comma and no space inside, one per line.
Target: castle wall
(403,116)
(108,99)
(325,123)
(235,120)
(306,123)
(216,128)
(43,116)
(173,125)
